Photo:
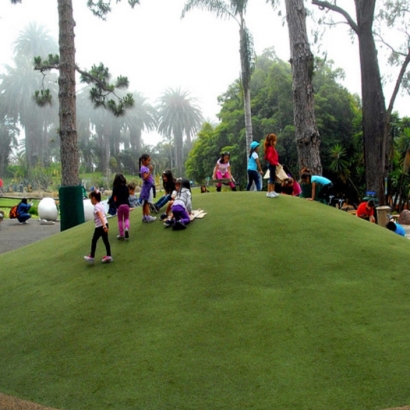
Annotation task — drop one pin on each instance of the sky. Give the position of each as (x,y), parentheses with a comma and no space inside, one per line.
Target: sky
(158,50)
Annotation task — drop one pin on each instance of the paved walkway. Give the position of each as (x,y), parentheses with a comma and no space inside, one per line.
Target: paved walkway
(13,235)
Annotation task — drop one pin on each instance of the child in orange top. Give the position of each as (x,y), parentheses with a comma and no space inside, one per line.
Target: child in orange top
(271,155)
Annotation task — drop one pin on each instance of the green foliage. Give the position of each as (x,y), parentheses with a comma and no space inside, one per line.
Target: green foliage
(337,114)
(41,177)
(101,8)
(43,97)
(100,76)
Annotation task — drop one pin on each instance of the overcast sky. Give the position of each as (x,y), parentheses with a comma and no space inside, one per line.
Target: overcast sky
(157,50)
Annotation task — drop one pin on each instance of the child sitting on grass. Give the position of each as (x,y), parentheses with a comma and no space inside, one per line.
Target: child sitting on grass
(101,229)
(133,199)
(181,207)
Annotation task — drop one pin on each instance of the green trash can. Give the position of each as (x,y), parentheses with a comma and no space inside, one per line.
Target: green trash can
(71,206)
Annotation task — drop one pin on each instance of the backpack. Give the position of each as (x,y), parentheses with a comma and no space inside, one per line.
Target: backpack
(13,212)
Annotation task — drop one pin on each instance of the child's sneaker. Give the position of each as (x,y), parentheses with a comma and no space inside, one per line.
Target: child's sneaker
(120,237)
(89,259)
(150,218)
(126,234)
(168,223)
(163,217)
(179,226)
(106,259)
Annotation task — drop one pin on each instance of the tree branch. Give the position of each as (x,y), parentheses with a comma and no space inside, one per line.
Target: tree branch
(398,83)
(326,5)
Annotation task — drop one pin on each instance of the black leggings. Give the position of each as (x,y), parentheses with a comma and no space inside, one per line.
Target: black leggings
(98,233)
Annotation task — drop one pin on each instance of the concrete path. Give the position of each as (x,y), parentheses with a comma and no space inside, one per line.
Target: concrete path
(13,235)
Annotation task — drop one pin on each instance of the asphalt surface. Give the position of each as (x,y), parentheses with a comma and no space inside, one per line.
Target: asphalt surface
(14,236)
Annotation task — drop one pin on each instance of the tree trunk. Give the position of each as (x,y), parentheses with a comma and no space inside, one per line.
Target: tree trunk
(67,98)
(374,108)
(178,140)
(306,132)
(246,77)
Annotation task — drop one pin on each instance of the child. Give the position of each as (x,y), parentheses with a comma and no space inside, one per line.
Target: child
(289,185)
(168,182)
(321,187)
(101,229)
(396,227)
(120,194)
(181,207)
(366,211)
(170,202)
(271,155)
(253,166)
(22,211)
(222,170)
(146,195)
(132,198)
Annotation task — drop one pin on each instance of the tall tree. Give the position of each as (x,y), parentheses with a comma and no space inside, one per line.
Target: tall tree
(142,116)
(302,60)
(177,114)
(375,116)
(66,65)
(19,84)
(235,9)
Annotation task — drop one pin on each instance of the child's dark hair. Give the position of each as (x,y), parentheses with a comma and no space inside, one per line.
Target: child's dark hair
(184,183)
(287,171)
(370,203)
(222,159)
(132,186)
(169,184)
(143,157)
(119,180)
(391,226)
(305,176)
(96,195)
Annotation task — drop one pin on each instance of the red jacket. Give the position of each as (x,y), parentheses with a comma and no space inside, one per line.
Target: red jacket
(271,155)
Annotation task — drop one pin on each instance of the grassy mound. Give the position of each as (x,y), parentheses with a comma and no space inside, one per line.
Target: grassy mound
(263,304)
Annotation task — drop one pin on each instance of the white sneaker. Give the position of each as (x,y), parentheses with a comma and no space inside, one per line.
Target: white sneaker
(274,194)
(150,218)
(268,194)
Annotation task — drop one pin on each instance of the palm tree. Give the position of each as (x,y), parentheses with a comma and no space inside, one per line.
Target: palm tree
(235,9)
(142,117)
(18,86)
(177,114)
(8,141)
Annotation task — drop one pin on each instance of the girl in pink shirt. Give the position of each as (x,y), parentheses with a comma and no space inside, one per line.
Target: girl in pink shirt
(272,157)
(222,170)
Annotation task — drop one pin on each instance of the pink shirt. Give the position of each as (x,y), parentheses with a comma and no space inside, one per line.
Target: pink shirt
(97,221)
(223,168)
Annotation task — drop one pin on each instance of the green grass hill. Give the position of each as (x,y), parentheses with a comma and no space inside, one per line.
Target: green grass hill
(263,304)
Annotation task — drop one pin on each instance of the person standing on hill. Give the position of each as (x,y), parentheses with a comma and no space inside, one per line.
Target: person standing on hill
(254,167)
(147,190)
(222,170)
(120,194)
(101,229)
(272,157)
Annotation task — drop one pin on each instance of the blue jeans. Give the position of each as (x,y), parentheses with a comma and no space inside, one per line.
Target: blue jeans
(162,201)
(253,176)
(272,174)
